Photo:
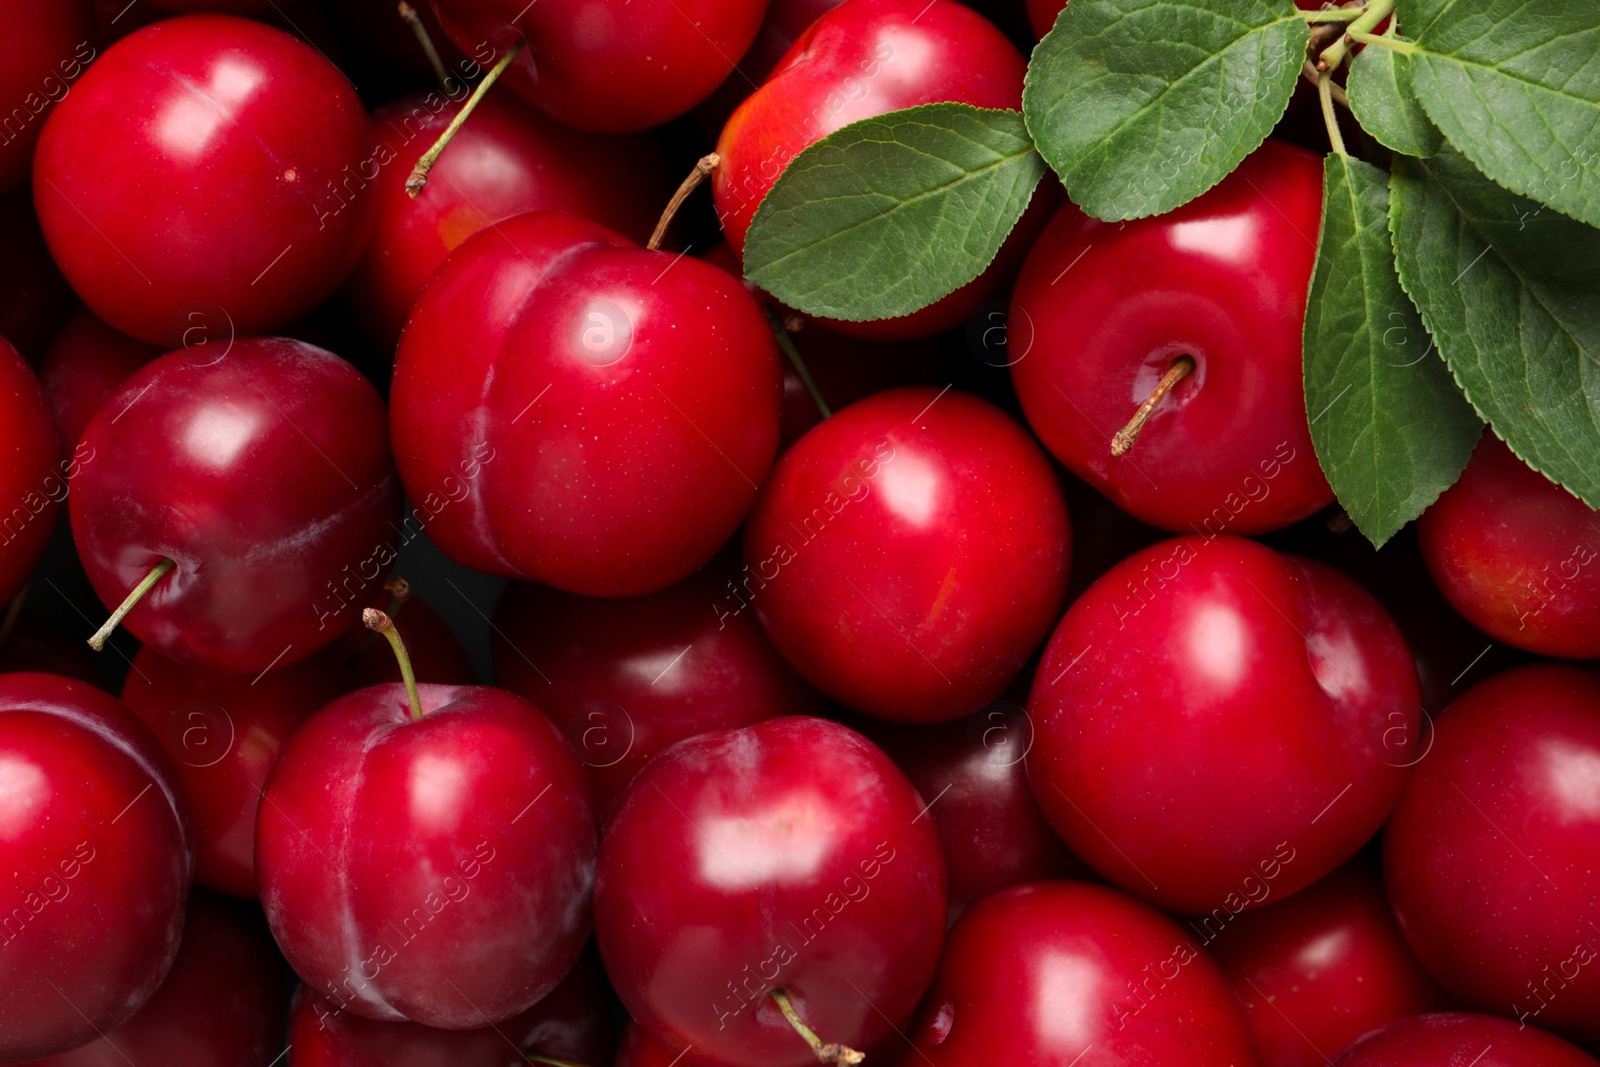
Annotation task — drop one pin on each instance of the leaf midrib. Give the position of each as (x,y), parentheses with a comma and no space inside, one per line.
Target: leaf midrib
(1211,59)
(891,212)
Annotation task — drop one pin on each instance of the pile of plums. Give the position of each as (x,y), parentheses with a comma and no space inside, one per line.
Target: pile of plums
(855,697)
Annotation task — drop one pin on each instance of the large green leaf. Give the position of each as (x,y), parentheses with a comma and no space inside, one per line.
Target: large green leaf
(887,215)
(1391,429)
(1142,105)
(1511,293)
(1382,100)
(1515,86)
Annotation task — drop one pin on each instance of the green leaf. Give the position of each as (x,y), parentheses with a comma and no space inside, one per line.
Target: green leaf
(889,214)
(1511,292)
(1142,105)
(1391,429)
(1515,86)
(1382,100)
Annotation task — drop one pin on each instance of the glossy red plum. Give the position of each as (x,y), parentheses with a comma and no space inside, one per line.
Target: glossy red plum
(786,855)
(1222,280)
(205,166)
(572,409)
(434,869)
(570,1023)
(86,365)
(1518,555)
(507,160)
(1218,724)
(786,20)
(624,679)
(1490,855)
(222,1004)
(224,732)
(1318,970)
(1072,973)
(971,773)
(909,553)
(96,845)
(1452,655)
(265,475)
(860,60)
(613,66)
(1461,1037)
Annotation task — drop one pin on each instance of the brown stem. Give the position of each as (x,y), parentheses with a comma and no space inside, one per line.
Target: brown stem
(1322,35)
(1372,14)
(376,620)
(417,180)
(1123,439)
(826,1052)
(158,572)
(702,170)
(412,19)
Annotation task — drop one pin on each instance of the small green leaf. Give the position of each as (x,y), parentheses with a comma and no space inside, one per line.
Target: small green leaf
(1511,293)
(1383,102)
(1515,86)
(1142,105)
(1391,429)
(889,214)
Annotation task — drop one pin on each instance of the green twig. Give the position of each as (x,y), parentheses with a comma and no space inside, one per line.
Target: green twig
(1325,95)
(1335,53)
(1334,14)
(1383,41)
(1311,74)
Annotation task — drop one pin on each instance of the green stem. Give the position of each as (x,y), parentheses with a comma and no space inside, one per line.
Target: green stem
(781,334)
(374,619)
(1335,53)
(409,14)
(399,592)
(1383,41)
(1311,74)
(158,572)
(826,1052)
(1337,14)
(417,180)
(1325,94)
